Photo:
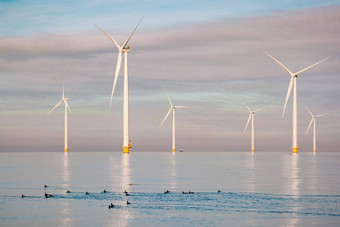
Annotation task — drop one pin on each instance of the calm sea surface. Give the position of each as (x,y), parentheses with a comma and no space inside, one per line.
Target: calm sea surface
(263,189)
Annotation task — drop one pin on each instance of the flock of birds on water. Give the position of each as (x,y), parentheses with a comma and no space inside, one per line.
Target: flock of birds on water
(111,205)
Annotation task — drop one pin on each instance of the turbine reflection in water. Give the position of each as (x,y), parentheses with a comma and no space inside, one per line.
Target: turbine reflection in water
(294,189)
(173,175)
(65,211)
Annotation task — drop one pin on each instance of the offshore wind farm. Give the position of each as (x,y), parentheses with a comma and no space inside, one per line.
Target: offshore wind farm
(198,168)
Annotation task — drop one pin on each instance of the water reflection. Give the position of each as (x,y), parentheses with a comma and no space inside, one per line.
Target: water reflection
(124,215)
(173,175)
(293,188)
(65,211)
(251,181)
(125,172)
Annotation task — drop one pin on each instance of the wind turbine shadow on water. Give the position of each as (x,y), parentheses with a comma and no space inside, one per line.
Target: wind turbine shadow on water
(126,113)
(65,100)
(293,84)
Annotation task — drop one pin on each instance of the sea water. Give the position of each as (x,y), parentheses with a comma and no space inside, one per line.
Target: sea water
(260,189)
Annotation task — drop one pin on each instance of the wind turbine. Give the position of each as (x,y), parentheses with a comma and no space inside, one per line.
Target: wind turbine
(292,84)
(126,113)
(65,100)
(173,109)
(251,116)
(314,130)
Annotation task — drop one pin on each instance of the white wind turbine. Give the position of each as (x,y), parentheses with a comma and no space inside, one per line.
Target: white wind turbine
(126,113)
(314,129)
(173,109)
(252,117)
(292,84)
(65,100)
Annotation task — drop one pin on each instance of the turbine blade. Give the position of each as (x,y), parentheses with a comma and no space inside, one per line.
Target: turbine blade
(288,93)
(182,106)
(320,115)
(63,89)
(259,109)
(311,121)
(247,107)
(309,110)
(68,107)
(279,63)
(119,61)
(166,116)
(247,124)
(310,66)
(123,46)
(168,97)
(56,106)
(108,36)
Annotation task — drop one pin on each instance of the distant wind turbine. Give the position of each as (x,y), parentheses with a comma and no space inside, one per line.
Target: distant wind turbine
(314,129)
(172,108)
(126,113)
(251,116)
(292,84)
(65,100)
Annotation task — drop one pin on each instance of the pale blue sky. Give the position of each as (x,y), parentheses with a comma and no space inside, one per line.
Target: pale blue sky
(29,18)
(207,54)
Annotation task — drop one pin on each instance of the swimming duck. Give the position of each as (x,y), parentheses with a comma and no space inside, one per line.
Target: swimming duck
(67,191)
(22,196)
(127,202)
(47,195)
(218,190)
(127,194)
(86,193)
(111,206)
(166,192)
(104,191)
(191,192)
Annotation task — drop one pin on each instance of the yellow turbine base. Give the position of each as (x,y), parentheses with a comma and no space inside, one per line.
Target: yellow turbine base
(314,150)
(173,149)
(295,149)
(126,150)
(252,150)
(66,149)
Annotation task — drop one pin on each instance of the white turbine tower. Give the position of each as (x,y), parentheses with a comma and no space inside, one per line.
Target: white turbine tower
(126,113)
(173,109)
(314,129)
(292,84)
(65,100)
(252,117)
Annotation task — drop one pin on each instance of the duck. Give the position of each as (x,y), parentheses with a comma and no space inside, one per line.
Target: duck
(45,186)
(127,194)
(125,191)
(185,192)
(104,191)
(127,202)
(86,193)
(191,192)
(166,192)
(111,206)
(22,196)
(68,191)
(218,190)
(47,195)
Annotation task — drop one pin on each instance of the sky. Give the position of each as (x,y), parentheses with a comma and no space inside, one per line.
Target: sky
(206,54)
